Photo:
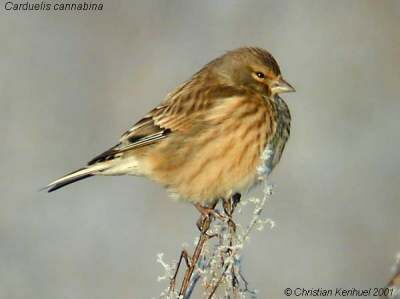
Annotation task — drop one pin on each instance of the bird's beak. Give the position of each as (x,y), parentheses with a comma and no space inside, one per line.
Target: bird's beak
(282,86)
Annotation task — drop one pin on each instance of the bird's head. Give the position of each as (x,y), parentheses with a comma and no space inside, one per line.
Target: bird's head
(252,68)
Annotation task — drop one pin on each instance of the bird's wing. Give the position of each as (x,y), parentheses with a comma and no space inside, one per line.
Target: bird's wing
(178,113)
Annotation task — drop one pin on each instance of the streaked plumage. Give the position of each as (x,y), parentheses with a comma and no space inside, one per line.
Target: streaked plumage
(209,137)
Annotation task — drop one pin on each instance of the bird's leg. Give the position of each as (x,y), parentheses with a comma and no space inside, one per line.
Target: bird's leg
(208,211)
(229,207)
(236,199)
(184,256)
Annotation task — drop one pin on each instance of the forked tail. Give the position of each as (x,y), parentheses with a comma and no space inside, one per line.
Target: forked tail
(75,176)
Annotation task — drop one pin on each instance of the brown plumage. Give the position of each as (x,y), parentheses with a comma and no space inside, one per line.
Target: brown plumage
(211,137)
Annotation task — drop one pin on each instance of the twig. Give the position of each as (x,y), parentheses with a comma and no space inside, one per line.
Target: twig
(185,256)
(229,207)
(205,225)
(215,287)
(217,264)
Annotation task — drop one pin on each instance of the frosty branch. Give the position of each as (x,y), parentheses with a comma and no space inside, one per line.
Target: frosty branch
(216,262)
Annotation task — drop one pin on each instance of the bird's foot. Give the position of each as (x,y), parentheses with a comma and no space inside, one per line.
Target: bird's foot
(207,212)
(229,207)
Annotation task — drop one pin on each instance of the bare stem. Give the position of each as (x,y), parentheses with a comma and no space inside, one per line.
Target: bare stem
(184,256)
(205,225)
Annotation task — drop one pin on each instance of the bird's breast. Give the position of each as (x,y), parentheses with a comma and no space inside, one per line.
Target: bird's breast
(276,144)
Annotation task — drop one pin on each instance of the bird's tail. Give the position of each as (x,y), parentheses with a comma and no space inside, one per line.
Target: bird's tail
(76,175)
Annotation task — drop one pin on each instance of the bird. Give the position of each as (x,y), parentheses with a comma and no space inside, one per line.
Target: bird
(213,136)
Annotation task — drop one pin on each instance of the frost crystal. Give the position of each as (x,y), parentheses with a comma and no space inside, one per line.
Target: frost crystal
(168,269)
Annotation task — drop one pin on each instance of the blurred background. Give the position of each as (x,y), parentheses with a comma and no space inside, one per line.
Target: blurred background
(72,82)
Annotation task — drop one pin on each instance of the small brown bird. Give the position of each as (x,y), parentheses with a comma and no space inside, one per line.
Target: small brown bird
(211,137)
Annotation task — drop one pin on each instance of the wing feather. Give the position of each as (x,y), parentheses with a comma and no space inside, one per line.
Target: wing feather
(178,113)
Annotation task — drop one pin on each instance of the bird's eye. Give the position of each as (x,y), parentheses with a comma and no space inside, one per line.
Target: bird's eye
(260,75)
